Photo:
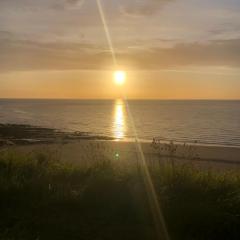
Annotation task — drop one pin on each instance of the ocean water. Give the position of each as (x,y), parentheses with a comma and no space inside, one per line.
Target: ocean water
(207,122)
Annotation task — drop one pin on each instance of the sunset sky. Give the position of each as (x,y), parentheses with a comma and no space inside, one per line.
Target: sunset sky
(170,49)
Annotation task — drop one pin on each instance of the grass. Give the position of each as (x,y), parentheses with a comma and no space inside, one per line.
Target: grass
(44,198)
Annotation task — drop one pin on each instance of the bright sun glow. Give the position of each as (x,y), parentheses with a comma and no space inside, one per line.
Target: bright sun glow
(119,77)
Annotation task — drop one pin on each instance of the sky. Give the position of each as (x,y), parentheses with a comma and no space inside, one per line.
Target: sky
(170,49)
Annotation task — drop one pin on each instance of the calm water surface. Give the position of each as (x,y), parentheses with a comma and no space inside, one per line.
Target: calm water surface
(203,121)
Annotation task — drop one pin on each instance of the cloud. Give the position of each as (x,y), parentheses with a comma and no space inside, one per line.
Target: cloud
(31,55)
(5,34)
(214,53)
(75,3)
(68,4)
(35,55)
(143,7)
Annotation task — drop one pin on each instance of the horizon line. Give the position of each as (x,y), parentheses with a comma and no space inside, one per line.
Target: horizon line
(145,99)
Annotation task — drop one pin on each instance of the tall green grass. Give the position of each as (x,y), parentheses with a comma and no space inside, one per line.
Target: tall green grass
(44,198)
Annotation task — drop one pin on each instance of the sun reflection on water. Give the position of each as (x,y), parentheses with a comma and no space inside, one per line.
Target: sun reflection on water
(119,125)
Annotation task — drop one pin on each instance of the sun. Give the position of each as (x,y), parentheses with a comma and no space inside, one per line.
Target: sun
(119,77)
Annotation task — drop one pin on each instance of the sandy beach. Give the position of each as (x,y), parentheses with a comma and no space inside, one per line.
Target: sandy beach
(79,148)
(207,157)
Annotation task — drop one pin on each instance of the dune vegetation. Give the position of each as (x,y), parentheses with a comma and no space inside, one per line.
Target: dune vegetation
(42,197)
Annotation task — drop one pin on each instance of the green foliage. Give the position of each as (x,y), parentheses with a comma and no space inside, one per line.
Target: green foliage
(43,198)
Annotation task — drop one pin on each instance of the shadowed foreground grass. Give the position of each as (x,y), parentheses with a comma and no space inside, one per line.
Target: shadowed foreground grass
(43,198)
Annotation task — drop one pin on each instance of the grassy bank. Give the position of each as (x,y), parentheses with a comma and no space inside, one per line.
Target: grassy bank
(43,198)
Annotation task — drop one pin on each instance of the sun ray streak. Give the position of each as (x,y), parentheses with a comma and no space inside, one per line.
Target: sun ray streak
(149,186)
(108,36)
(155,207)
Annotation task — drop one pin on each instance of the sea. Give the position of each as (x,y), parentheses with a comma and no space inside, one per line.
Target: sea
(198,121)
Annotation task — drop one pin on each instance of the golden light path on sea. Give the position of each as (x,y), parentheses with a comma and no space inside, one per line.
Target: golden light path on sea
(119,119)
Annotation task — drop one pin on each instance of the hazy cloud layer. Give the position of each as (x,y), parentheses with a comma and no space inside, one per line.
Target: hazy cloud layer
(68,34)
(28,55)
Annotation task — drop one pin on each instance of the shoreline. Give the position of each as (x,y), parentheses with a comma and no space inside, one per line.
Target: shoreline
(178,142)
(24,134)
(75,145)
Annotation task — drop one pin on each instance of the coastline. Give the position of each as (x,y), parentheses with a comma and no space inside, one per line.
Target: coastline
(76,146)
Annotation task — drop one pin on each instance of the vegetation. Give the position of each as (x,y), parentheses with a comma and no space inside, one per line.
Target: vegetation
(43,198)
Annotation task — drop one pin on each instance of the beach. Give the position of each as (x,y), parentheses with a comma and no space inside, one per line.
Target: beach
(56,184)
(78,148)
